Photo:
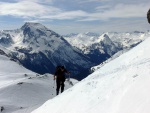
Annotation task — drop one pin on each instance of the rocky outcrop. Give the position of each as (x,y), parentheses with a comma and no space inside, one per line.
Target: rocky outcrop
(148,16)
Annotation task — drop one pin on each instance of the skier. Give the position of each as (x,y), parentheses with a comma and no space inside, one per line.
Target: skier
(59,76)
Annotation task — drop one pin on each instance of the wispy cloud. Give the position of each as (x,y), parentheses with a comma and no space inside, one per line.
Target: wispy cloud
(119,11)
(37,1)
(103,8)
(27,9)
(78,14)
(88,1)
(39,10)
(34,20)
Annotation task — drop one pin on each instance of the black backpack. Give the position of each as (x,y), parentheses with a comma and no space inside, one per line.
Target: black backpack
(58,69)
(59,73)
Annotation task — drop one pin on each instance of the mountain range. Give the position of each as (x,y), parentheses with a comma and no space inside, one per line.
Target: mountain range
(118,85)
(101,47)
(40,49)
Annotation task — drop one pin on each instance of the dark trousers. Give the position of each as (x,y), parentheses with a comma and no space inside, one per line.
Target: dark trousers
(60,84)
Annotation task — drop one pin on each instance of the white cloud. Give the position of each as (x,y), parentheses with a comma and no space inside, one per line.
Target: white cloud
(39,11)
(89,1)
(68,15)
(119,11)
(40,20)
(103,7)
(37,1)
(26,9)
(134,10)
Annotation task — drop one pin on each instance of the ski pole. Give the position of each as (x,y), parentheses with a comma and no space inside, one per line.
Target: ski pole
(54,84)
(69,78)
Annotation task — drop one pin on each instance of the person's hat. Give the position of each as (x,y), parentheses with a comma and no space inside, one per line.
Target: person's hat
(62,67)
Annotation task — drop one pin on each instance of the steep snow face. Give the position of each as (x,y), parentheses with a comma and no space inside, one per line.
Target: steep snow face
(41,50)
(21,90)
(108,46)
(120,86)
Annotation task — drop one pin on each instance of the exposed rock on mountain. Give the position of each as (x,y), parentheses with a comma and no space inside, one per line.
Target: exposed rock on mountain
(148,16)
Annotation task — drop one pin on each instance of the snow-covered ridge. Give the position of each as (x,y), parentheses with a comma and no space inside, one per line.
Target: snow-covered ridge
(120,86)
(33,35)
(121,40)
(128,39)
(101,47)
(82,39)
(21,90)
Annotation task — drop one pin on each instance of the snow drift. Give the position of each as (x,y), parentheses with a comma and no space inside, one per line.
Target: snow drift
(120,86)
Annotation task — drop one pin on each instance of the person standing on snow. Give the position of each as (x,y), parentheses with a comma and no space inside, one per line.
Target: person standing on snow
(59,76)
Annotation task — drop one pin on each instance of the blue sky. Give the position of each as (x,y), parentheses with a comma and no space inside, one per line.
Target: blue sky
(76,16)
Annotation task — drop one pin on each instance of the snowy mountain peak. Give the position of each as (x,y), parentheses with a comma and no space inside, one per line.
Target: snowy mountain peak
(33,25)
(104,38)
(91,34)
(37,30)
(38,34)
(107,44)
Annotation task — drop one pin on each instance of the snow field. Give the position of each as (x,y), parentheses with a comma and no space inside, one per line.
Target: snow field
(21,90)
(120,86)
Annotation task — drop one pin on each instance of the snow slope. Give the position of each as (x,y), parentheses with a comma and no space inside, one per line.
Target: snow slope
(120,86)
(116,55)
(21,90)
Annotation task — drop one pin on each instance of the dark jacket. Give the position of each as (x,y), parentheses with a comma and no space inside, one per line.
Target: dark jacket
(60,73)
